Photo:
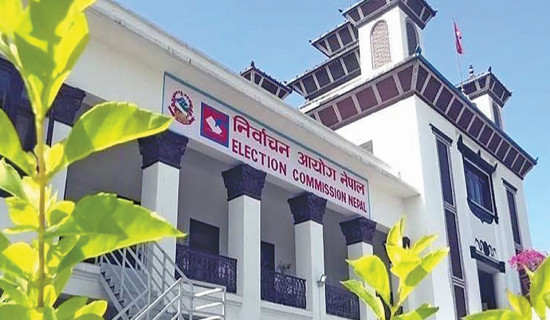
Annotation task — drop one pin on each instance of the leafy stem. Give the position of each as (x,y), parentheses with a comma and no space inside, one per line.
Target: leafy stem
(42,180)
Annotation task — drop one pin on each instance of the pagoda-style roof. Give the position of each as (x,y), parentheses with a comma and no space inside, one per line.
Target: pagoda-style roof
(267,82)
(416,76)
(418,10)
(337,40)
(328,75)
(487,83)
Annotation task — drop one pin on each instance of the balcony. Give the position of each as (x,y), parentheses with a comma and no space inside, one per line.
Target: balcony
(207,267)
(341,302)
(283,289)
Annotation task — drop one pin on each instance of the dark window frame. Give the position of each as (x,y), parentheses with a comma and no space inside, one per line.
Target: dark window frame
(450,212)
(473,163)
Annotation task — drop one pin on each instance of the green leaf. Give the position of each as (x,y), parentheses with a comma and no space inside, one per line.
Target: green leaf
(22,213)
(90,316)
(372,270)
(547,299)
(59,212)
(109,124)
(50,295)
(23,256)
(395,236)
(11,146)
(96,307)
(374,302)
(68,309)
(50,37)
(15,293)
(521,305)
(423,243)
(428,264)
(13,311)
(495,315)
(403,260)
(106,223)
(10,181)
(9,16)
(540,287)
(423,312)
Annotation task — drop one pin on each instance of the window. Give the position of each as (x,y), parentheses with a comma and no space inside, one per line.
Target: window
(487,290)
(478,186)
(511,197)
(412,38)
(443,145)
(380,44)
(496,116)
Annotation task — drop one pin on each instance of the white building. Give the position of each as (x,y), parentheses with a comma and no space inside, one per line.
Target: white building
(273,197)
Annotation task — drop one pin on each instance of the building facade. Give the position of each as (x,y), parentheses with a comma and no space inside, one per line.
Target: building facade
(276,199)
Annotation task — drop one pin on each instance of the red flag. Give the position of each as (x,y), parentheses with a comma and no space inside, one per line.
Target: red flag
(458,39)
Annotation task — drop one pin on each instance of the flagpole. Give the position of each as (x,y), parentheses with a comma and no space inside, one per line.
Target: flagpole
(458,58)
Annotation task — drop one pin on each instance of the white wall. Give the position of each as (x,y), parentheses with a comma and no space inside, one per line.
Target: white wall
(278,225)
(202,194)
(115,170)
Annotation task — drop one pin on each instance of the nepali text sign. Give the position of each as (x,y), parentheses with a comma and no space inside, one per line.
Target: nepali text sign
(209,121)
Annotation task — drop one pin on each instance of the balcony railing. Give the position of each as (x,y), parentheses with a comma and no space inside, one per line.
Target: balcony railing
(207,267)
(283,289)
(341,302)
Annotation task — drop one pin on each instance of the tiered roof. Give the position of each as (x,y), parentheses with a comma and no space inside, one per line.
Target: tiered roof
(337,40)
(487,83)
(328,75)
(267,82)
(341,45)
(416,76)
(418,10)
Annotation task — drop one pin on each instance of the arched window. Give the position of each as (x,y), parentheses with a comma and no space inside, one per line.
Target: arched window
(380,44)
(412,38)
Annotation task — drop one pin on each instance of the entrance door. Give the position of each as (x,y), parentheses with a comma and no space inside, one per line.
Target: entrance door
(268,256)
(204,237)
(487,288)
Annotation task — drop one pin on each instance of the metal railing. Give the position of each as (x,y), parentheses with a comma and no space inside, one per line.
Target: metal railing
(283,289)
(342,303)
(144,283)
(207,267)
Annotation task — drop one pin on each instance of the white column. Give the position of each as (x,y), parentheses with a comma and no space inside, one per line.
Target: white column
(308,211)
(244,187)
(160,192)
(59,182)
(161,155)
(359,234)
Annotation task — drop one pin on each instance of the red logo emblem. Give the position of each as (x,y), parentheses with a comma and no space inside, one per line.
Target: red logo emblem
(181,108)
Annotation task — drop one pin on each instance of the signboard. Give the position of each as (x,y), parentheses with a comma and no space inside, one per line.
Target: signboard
(209,121)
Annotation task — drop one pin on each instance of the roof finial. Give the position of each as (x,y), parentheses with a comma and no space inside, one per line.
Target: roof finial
(490,70)
(252,64)
(418,50)
(471,72)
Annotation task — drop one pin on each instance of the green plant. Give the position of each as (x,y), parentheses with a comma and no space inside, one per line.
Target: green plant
(409,265)
(44,40)
(521,308)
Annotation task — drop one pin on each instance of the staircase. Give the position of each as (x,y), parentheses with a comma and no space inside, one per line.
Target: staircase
(144,283)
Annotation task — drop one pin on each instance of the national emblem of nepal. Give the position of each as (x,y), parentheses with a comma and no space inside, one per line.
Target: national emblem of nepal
(181,108)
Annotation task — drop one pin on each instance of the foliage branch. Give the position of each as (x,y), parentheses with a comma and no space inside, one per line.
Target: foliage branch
(44,40)
(409,264)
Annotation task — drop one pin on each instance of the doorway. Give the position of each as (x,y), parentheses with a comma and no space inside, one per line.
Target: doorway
(487,289)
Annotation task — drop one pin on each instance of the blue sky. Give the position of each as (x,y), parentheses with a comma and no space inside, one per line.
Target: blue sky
(511,36)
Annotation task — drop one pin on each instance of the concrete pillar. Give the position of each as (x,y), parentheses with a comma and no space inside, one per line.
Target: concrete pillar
(161,156)
(244,186)
(359,233)
(308,210)
(66,105)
